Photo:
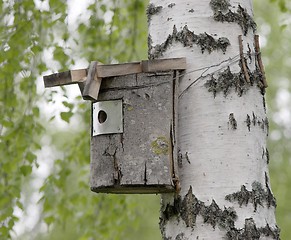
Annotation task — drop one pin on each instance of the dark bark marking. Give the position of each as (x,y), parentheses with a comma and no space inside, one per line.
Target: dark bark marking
(152,10)
(271,199)
(188,39)
(251,232)
(232,122)
(257,196)
(268,156)
(182,157)
(171,5)
(190,207)
(170,211)
(227,80)
(187,157)
(220,5)
(180,236)
(248,122)
(254,121)
(222,13)
(269,232)
(262,123)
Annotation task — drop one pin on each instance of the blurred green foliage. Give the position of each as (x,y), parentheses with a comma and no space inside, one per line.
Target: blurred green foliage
(114,31)
(273,19)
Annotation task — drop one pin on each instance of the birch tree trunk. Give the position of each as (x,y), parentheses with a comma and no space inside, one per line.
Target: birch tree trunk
(222,127)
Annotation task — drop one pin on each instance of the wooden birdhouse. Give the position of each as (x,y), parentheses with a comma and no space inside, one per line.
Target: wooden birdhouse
(133,144)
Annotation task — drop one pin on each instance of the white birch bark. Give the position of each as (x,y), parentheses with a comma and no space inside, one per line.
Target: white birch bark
(222,127)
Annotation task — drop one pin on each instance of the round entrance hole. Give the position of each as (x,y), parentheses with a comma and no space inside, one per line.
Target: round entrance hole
(102,116)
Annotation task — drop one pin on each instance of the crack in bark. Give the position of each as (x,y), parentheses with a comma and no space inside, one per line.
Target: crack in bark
(145,173)
(257,196)
(188,39)
(222,13)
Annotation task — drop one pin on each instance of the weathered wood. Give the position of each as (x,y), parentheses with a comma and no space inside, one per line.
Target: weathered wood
(259,60)
(243,60)
(111,70)
(140,159)
(92,84)
(65,78)
(160,65)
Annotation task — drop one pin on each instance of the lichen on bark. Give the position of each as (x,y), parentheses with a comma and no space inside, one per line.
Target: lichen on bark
(188,38)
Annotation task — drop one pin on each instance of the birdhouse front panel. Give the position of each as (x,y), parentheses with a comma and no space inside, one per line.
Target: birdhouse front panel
(132,134)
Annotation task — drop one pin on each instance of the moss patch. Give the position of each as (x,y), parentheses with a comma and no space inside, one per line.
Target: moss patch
(161,146)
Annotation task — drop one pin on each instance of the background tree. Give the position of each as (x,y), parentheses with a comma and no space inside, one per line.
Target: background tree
(38,154)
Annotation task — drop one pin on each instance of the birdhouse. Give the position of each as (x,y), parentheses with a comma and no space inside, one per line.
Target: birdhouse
(133,138)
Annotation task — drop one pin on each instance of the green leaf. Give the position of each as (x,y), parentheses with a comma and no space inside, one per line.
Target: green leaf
(26,170)
(35,111)
(68,105)
(49,220)
(30,157)
(66,116)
